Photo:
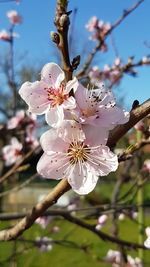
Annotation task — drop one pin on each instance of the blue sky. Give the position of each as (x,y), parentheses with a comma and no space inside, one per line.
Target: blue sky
(35,43)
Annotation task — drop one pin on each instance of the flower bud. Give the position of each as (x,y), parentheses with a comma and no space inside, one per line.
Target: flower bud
(55,37)
(64,20)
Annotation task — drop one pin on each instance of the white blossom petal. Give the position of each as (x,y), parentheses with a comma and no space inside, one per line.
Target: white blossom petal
(147,243)
(50,141)
(95,135)
(104,160)
(110,117)
(52,166)
(72,84)
(71,131)
(82,180)
(54,116)
(70,103)
(52,74)
(35,96)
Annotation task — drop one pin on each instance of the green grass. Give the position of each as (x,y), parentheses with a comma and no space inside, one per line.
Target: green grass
(66,256)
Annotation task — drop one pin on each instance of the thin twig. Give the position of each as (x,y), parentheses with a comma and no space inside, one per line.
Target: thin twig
(18,163)
(97,48)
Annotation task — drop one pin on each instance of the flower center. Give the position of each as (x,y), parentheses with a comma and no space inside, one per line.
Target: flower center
(88,112)
(78,152)
(56,96)
(16,152)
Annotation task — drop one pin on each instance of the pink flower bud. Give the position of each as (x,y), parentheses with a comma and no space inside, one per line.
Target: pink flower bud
(14,17)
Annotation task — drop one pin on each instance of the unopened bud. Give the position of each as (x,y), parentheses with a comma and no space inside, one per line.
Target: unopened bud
(55,37)
(64,20)
(75,62)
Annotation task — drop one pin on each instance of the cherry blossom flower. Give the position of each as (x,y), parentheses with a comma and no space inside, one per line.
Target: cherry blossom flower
(19,119)
(98,108)
(147,165)
(16,120)
(121,217)
(145,60)
(147,242)
(103,28)
(11,153)
(117,61)
(49,96)
(92,24)
(55,229)
(111,74)
(31,138)
(101,221)
(99,28)
(6,36)
(134,262)
(114,257)
(14,17)
(44,221)
(139,126)
(72,208)
(134,215)
(44,243)
(67,154)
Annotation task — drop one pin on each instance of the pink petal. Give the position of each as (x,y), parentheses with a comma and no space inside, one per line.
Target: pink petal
(104,160)
(110,117)
(70,103)
(50,141)
(35,96)
(71,131)
(83,180)
(20,114)
(102,219)
(12,123)
(54,116)
(16,144)
(106,96)
(52,166)
(52,74)
(73,84)
(95,136)
(81,96)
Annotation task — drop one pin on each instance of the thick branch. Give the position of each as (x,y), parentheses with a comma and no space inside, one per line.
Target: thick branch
(37,210)
(62,24)
(136,115)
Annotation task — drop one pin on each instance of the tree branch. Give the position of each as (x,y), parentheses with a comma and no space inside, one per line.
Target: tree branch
(136,115)
(36,211)
(98,46)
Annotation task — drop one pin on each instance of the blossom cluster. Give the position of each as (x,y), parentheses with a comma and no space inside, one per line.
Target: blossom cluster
(99,30)
(44,243)
(75,147)
(112,74)
(114,257)
(24,120)
(14,19)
